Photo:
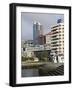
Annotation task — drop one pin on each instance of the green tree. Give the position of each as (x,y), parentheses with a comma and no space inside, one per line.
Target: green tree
(43,55)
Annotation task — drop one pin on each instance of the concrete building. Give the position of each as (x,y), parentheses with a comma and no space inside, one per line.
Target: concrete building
(48,39)
(57,38)
(37,33)
(42,39)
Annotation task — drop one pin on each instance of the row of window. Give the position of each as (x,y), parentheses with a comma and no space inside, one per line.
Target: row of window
(57,38)
(57,32)
(57,48)
(55,45)
(57,26)
(57,42)
(57,29)
(57,35)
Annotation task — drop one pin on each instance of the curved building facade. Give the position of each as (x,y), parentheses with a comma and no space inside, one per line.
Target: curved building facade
(57,38)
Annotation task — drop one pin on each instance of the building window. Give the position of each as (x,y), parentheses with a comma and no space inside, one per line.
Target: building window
(56,26)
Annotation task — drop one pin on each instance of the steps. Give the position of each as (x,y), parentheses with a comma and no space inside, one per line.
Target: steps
(58,71)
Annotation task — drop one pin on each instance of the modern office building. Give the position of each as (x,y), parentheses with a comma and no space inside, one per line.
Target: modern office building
(57,38)
(37,33)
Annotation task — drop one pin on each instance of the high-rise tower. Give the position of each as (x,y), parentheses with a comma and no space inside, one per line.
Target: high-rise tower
(37,33)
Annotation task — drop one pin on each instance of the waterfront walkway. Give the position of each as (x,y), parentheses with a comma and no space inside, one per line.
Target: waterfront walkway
(49,65)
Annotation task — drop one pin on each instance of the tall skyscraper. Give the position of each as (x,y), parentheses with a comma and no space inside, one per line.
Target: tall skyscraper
(37,33)
(57,38)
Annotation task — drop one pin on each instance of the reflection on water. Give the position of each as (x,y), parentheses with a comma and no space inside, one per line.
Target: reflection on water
(43,71)
(30,72)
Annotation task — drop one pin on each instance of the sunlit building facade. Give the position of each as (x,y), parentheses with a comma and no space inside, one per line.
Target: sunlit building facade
(48,39)
(57,38)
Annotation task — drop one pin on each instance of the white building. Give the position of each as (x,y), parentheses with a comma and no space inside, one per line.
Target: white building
(57,38)
(48,40)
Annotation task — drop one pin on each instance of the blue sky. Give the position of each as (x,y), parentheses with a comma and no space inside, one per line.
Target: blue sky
(47,20)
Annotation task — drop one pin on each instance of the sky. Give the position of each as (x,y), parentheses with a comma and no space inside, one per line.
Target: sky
(47,20)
